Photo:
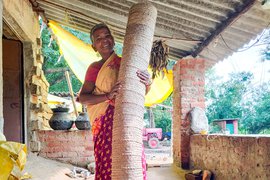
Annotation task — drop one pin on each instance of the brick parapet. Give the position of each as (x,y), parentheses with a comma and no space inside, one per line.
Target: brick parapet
(232,157)
(75,147)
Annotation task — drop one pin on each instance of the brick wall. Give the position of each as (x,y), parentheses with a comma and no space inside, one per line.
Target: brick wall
(232,157)
(188,93)
(21,18)
(75,147)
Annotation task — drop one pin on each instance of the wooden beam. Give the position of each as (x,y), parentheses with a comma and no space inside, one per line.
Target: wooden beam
(178,53)
(36,8)
(223,25)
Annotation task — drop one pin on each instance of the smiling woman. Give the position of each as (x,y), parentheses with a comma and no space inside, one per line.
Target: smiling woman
(103,41)
(98,93)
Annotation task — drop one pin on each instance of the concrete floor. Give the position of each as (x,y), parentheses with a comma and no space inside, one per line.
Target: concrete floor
(45,169)
(165,173)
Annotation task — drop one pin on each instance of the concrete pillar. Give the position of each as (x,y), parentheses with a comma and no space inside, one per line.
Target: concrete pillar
(189,80)
(235,126)
(1,69)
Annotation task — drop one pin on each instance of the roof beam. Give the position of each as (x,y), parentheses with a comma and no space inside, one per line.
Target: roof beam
(174,25)
(223,25)
(76,17)
(88,10)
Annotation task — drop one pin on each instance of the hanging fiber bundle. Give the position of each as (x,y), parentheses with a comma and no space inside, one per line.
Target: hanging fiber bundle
(159,57)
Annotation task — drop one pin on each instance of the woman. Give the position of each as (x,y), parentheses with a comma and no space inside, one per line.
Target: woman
(98,93)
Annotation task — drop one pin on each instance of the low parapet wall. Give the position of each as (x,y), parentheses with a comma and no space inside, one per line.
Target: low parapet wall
(75,147)
(232,157)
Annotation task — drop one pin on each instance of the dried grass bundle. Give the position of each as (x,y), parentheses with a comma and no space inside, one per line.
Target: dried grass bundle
(159,58)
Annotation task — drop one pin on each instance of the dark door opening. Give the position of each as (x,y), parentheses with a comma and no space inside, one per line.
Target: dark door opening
(13,90)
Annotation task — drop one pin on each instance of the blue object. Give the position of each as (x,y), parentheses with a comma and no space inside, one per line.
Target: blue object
(167,135)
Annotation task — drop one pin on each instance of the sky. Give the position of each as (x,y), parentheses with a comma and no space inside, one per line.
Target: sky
(248,60)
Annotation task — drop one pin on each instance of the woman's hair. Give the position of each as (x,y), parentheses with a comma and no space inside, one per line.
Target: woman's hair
(97,27)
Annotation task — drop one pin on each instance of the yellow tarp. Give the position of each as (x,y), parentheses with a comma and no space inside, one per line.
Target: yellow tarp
(80,55)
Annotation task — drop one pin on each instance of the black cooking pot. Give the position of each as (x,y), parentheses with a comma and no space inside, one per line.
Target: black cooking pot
(61,119)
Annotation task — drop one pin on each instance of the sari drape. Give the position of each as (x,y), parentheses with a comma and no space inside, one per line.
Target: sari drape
(101,118)
(106,79)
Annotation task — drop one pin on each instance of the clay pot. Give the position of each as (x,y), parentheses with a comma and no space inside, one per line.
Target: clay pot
(61,119)
(82,122)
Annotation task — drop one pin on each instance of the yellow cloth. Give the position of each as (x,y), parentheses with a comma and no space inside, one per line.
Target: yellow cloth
(80,55)
(106,79)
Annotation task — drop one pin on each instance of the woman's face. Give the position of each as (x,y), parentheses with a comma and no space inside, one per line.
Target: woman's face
(103,41)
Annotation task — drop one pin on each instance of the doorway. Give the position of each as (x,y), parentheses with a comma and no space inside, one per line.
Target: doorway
(13,90)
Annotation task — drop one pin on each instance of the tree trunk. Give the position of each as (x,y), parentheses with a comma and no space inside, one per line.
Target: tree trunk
(129,107)
(151,117)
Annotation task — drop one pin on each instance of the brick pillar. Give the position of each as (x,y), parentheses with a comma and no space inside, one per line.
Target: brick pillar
(235,126)
(188,93)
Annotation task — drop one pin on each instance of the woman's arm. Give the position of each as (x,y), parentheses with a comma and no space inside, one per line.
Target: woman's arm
(148,87)
(87,97)
(145,79)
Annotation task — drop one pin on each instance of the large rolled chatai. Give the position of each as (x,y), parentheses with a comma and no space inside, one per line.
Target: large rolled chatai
(129,106)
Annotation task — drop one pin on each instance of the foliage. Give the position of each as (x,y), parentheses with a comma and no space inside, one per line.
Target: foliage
(55,66)
(266,52)
(226,97)
(163,116)
(266,40)
(215,129)
(256,115)
(237,98)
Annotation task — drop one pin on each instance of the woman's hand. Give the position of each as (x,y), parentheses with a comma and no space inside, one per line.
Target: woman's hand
(144,77)
(115,91)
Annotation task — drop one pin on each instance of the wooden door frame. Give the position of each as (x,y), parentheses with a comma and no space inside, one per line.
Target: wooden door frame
(20,62)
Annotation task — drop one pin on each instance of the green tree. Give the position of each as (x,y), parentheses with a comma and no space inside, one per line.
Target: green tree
(256,116)
(225,98)
(163,115)
(266,40)
(54,66)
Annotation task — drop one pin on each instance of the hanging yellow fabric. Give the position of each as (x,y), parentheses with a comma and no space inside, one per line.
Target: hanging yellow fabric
(80,55)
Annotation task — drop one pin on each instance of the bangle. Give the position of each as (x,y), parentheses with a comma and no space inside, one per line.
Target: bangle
(149,83)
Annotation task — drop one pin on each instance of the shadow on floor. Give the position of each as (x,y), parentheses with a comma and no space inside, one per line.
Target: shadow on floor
(46,169)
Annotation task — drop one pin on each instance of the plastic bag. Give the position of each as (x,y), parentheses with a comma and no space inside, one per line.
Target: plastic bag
(199,121)
(12,160)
